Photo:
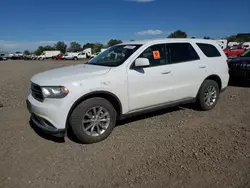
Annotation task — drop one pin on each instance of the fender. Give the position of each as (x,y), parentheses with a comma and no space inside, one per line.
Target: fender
(99,93)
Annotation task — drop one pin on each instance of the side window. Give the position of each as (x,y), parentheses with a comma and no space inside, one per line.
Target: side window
(181,52)
(155,54)
(209,50)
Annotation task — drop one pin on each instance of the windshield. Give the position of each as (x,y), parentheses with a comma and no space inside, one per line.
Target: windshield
(246,53)
(114,56)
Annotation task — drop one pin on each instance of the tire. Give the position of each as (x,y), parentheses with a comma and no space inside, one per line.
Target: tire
(79,114)
(75,58)
(201,97)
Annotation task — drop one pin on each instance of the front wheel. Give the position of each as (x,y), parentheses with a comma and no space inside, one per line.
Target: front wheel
(75,58)
(208,95)
(93,120)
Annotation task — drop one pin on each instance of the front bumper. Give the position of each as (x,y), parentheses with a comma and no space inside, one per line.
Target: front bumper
(240,74)
(42,122)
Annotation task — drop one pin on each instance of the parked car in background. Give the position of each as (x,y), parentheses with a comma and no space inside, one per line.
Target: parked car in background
(4,56)
(59,57)
(11,55)
(222,43)
(49,54)
(125,80)
(234,51)
(230,44)
(34,57)
(239,67)
(27,57)
(17,56)
(75,55)
(246,45)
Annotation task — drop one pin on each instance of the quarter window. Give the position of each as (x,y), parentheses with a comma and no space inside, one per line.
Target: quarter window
(181,52)
(155,54)
(209,50)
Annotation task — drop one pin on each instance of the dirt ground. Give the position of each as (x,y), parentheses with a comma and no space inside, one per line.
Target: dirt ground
(178,147)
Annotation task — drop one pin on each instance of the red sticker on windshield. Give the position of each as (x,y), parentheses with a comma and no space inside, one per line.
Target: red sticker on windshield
(156,55)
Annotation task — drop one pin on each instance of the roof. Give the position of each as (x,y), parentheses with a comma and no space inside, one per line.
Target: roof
(142,42)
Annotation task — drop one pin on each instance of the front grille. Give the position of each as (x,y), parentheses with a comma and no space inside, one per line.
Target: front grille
(36,92)
(239,66)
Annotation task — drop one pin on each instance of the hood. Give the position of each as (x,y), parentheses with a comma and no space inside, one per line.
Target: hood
(64,75)
(240,59)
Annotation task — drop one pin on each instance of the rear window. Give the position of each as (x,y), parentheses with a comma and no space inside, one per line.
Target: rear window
(209,50)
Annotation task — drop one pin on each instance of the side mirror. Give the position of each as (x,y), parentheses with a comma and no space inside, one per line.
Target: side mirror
(142,62)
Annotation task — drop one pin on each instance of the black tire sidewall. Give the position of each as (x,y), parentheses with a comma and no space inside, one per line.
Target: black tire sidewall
(77,116)
(201,99)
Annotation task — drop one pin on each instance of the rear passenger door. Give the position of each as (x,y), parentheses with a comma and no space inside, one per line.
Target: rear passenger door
(184,64)
(214,59)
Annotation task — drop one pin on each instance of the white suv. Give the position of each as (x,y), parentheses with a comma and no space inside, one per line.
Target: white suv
(126,79)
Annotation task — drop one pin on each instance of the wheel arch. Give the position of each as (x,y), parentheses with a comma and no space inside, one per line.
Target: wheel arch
(213,77)
(112,98)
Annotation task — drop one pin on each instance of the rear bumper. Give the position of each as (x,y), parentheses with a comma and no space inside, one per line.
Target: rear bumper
(43,124)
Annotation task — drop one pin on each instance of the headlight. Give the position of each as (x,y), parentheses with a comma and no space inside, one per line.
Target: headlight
(55,92)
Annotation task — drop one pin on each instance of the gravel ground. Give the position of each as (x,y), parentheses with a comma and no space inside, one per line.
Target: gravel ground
(178,147)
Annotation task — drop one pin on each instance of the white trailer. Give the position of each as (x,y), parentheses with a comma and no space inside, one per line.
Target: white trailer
(49,54)
(88,52)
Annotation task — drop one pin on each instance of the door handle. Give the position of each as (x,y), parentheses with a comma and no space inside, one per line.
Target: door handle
(166,72)
(202,66)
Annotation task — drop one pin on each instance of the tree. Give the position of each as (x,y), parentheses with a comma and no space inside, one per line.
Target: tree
(178,34)
(239,38)
(95,47)
(48,48)
(74,47)
(39,50)
(88,45)
(206,37)
(61,46)
(26,52)
(113,42)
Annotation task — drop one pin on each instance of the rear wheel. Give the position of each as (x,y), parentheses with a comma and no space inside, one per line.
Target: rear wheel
(93,120)
(75,58)
(208,95)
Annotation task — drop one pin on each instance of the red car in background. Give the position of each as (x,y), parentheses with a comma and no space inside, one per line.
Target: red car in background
(59,57)
(234,51)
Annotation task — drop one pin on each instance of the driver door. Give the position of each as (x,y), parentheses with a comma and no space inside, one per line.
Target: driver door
(149,86)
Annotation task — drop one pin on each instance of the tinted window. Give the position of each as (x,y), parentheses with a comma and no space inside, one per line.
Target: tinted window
(114,56)
(155,54)
(209,50)
(181,52)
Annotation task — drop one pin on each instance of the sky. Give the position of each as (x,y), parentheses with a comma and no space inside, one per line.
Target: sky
(27,24)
